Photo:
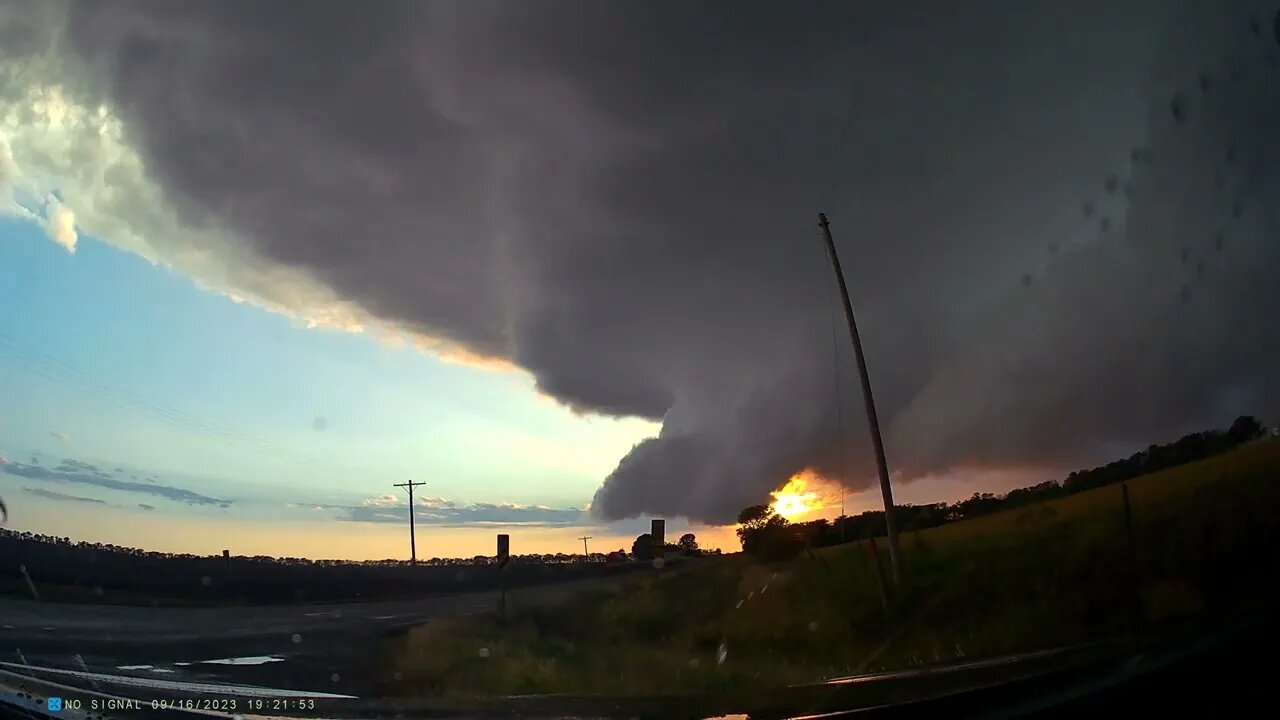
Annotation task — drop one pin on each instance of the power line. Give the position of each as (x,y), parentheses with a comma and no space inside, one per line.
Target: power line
(840,455)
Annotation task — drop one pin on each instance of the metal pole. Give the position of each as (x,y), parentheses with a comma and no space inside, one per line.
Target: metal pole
(413,545)
(882,466)
(504,559)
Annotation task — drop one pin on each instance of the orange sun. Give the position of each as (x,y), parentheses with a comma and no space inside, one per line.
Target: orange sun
(794,499)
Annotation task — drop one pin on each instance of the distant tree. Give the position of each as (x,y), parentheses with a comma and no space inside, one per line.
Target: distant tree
(755,516)
(979,504)
(1246,428)
(642,547)
(780,541)
(751,524)
(764,533)
(688,544)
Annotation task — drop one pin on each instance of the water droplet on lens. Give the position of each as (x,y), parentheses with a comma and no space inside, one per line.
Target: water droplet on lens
(722,653)
(296,638)
(335,677)
(206,581)
(484,652)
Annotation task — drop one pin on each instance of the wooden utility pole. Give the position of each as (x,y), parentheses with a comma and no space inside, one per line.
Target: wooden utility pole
(584,540)
(413,546)
(882,466)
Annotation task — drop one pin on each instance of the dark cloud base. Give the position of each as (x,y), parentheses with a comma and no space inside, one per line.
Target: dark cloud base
(53,495)
(448,513)
(83,473)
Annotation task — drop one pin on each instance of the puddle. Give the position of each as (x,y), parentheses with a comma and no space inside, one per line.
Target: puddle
(247,660)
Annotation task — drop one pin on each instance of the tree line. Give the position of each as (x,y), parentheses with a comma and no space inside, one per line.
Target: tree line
(766,534)
(645,548)
(13,537)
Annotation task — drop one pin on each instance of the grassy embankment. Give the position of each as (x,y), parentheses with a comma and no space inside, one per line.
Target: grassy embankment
(1040,576)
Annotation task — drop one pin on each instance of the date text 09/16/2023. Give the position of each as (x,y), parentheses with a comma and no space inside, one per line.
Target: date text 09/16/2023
(225,704)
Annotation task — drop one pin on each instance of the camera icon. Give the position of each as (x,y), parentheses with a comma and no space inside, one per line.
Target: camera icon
(55,704)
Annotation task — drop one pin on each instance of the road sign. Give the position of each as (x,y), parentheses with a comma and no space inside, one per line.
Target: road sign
(658,531)
(504,549)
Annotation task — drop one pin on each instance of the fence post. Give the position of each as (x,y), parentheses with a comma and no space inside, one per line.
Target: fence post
(880,584)
(1131,557)
(504,558)
(35,594)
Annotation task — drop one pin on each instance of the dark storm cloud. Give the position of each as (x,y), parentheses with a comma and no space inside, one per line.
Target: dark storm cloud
(53,495)
(436,511)
(621,197)
(77,471)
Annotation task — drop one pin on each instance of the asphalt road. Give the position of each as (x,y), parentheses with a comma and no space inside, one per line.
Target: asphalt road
(330,648)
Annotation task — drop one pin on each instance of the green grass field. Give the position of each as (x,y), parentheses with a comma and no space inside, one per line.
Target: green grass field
(1057,573)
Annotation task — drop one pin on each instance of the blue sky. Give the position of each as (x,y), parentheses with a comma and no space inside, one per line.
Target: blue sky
(128,367)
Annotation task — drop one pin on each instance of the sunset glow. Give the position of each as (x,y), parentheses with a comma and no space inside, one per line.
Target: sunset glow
(796,499)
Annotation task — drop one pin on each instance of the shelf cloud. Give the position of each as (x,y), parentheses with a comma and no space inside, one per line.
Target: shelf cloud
(1056,243)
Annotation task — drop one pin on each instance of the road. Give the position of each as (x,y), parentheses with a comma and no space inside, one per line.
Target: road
(330,648)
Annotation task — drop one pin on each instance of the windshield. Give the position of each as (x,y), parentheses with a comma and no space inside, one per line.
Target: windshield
(706,356)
